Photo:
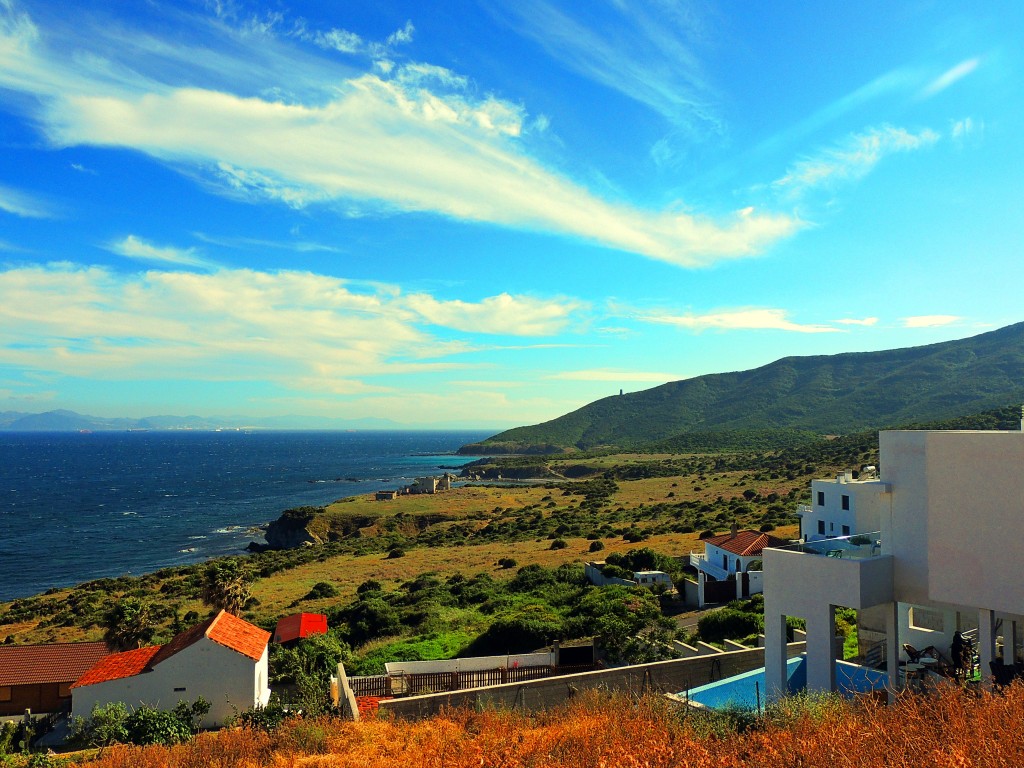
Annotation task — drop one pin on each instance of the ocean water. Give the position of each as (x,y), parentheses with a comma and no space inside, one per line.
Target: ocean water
(76,507)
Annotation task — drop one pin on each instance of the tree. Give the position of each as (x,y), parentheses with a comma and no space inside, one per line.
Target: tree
(226,585)
(128,624)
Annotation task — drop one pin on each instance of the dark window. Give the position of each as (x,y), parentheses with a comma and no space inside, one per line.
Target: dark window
(846,501)
(846,530)
(179,690)
(821,527)
(821,498)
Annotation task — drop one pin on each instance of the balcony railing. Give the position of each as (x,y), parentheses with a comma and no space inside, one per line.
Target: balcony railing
(700,561)
(859,546)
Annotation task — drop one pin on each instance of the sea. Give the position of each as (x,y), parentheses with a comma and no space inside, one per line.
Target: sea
(81,506)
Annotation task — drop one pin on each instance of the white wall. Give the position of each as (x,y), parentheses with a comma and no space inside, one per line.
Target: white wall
(867,499)
(228,680)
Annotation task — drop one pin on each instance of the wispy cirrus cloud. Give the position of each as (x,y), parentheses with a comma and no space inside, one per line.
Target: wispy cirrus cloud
(297,329)
(23,204)
(866,321)
(930,321)
(133,247)
(415,138)
(648,52)
(853,158)
(949,77)
(735,320)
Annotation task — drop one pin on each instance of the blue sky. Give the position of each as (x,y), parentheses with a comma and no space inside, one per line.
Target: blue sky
(490,213)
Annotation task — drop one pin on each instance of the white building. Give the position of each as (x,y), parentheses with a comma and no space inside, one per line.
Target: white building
(940,551)
(842,506)
(224,660)
(731,557)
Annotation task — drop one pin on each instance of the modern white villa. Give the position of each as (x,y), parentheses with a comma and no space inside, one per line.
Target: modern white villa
(930,546)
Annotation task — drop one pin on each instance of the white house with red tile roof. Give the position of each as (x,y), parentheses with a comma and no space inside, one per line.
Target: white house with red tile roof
(224,660)
(730,557)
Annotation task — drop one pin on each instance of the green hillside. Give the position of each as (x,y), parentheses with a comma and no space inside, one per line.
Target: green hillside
(826,394)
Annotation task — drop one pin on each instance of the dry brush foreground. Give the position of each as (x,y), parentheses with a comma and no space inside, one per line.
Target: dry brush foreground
(951,728)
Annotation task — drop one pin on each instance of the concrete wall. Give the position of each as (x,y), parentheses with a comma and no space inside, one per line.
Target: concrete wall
(226,679)
(674,676)
(472,664)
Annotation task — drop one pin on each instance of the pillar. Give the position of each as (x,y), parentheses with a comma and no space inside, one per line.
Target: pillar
(821,657)
(892,647)
(774,651)
(986,644)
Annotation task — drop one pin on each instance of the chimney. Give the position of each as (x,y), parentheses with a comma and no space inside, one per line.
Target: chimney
(735,528)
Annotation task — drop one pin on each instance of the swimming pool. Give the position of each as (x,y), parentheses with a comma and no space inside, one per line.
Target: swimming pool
(745,690)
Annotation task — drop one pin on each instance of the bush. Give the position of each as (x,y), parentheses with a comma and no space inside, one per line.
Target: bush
(395,552)
(559,544)
(507,562)
(728,623)
(596,546)
(114,724)
(321,590)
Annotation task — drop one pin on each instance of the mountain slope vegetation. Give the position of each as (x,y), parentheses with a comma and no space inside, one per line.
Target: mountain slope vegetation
(824,394)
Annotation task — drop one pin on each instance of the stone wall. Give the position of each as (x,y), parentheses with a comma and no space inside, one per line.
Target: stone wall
(675,676)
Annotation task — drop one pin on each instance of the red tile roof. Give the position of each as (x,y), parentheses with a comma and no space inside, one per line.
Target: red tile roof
(238,635)
(118,665)
(745,543)
(223,629)
(54,663)
(299,625)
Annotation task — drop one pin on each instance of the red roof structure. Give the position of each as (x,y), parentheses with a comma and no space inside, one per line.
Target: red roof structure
(745,543)
(223,629)
(119,665)
(300,625)
(54,663)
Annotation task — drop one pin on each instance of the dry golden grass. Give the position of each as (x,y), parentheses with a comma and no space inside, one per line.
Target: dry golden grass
(953,729)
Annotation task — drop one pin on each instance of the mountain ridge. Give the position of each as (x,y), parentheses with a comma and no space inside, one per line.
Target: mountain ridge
(828,394)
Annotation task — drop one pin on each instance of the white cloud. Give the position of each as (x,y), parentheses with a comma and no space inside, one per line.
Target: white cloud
(736,319)
(950,76)
(401,36)
(132,247)
(502,314)
(296,329)
(415,139)
(858,321)
(853,158)
(648,52)
(612,374)
(23,204)
(929,321)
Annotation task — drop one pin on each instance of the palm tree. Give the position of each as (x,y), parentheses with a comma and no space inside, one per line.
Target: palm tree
(226,586)
(128,624)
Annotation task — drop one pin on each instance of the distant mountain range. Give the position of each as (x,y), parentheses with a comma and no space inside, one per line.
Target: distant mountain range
(69,421)
(824,394)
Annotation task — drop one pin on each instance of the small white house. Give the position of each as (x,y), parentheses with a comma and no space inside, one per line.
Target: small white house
(224,660)
(731,557)
(842,506)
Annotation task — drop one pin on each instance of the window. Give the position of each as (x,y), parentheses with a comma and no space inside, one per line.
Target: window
(179,690)
(846,530)
(846,501)
(725,562)
(821,498)
(821,527)
(5,693)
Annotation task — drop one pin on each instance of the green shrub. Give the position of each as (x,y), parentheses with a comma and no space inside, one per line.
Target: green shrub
(559,544)
(596,546)
(321,590)
(728,623)
(507,562)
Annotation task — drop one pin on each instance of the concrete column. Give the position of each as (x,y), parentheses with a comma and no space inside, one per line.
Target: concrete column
(892,647)
(986,644)
(821,658)
(701,578)
(774,652)
(1009,641)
